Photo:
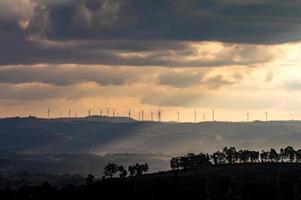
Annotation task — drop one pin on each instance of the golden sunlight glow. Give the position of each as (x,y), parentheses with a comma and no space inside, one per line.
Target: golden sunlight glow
(272,83)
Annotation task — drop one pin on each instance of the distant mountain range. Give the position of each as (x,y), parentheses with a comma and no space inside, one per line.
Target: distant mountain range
(97,136)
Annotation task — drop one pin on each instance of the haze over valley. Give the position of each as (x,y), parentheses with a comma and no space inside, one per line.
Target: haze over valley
(85,145)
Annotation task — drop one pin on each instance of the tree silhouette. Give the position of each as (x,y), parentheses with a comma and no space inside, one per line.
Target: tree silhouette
(273,155)
(218,158)
(132,170)
(254,156)
(190,161)
(138,169)
(175,163)
(282,154)
(243,156)
(264,156)
(290,153)
(122,171)
(231,154)
(145,168)
(90,179)
(110,169)
(298,155)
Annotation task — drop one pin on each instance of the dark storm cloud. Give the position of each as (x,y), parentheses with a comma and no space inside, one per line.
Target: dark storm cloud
(218,81)
(68,75)
(43,92)
(96,31)
(233,21)
(180,79)
(30,92)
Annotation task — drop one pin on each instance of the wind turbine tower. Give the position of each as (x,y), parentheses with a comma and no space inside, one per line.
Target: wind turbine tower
(195,115)
(204,117)
(69,113)
(159,115)
(89,112)
(266,115)
(142,115)
(248,117)
(48,113)
(213,115)
(129,113)
(178,113)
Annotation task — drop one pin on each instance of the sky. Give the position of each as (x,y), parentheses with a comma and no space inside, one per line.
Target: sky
(234,56)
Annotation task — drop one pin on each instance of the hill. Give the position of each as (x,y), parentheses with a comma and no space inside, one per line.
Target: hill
(35,142)
(236,181)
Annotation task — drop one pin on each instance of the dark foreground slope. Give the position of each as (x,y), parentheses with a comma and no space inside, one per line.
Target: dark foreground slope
(237,181)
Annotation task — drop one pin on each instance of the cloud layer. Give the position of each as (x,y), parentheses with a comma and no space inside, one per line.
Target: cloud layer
(142,53)
(231,21)
(69,75)
(144,33)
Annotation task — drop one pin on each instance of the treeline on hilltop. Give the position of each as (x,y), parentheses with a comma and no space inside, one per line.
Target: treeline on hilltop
(111,169)
(231,155)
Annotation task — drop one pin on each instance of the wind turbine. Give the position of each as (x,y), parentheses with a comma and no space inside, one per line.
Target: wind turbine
(266,116)
(159,115)
(48,113)
(69,112)
(178,113)
(129,113)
